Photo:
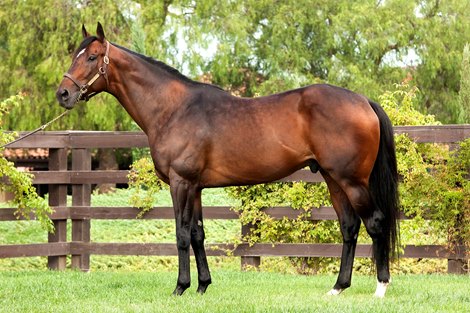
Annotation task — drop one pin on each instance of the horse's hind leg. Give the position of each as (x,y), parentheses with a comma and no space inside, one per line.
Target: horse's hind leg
(375,225)
(349,224)
(375,222)
(197,242)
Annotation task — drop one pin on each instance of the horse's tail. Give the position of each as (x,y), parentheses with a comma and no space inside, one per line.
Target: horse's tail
(383,182)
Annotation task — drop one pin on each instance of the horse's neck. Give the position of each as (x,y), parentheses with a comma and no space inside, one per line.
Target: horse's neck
(149,95)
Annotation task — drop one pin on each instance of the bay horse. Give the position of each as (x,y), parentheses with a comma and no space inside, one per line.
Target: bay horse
(200,136)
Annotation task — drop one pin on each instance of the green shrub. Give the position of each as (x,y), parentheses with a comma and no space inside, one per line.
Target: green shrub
(144,184)
(20,183)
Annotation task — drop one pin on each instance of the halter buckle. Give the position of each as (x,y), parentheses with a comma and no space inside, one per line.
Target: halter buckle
(106,59)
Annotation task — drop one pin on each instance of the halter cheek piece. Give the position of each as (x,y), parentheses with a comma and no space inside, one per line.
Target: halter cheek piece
(102,71)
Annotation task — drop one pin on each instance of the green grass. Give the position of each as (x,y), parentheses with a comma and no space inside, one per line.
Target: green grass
(144,284)
(44,291)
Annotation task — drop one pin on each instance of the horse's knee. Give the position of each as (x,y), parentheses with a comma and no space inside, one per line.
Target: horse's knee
(197,236)
(183,238)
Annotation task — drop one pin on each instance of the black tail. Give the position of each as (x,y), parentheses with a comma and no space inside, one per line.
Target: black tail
(383,182)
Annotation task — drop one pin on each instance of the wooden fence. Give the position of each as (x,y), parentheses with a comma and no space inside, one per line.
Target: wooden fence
(79,176)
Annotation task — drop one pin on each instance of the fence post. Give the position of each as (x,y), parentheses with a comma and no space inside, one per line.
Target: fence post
(81,196)
(458,266)
(249,261)
(58,197)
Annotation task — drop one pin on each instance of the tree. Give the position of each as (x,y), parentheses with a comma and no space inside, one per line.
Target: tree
(464,93)
(36,43)
(259,45)
(366,46)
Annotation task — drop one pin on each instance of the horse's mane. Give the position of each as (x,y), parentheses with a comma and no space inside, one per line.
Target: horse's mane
(165,67)
(159,64)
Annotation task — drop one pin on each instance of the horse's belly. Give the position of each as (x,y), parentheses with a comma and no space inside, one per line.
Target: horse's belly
(254,170)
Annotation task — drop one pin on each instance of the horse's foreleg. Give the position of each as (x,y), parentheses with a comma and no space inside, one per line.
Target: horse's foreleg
(349,224)
(183,194)
(197,242)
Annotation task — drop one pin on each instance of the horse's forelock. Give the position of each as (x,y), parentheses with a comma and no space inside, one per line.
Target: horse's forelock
(85,43)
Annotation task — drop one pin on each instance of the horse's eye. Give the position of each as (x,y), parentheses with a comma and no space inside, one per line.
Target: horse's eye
(92,58)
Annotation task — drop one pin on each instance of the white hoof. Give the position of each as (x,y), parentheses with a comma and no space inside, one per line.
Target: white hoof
(381,289)
(334,292)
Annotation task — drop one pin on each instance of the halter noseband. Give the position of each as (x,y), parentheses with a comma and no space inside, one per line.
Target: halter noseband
(101,71)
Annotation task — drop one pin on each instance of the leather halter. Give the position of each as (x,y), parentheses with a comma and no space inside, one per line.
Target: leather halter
(101,71)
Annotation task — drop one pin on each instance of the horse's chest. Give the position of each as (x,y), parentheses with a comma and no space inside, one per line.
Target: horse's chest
(183,159)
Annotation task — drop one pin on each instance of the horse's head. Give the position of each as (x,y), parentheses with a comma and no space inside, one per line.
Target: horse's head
(87,75)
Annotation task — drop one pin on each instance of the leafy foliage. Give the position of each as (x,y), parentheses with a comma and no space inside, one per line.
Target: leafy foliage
(464,92)
(434,179)
(37,40)
(144,184)
(365,46)
(20,183)
(252,46)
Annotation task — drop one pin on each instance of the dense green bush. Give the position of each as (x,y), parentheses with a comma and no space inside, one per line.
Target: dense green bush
(144,183)
(20,183)
(434,178)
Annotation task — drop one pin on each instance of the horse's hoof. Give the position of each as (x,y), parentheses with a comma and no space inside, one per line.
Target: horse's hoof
(201,289)
(381,289)
(179,291)
(334,292)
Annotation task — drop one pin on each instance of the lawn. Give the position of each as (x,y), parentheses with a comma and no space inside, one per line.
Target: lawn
(144,284)
(232,291)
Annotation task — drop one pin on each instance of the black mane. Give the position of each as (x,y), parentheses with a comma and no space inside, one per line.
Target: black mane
(159,64)
(165,67)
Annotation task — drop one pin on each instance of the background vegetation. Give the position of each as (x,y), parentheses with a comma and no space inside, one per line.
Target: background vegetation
(249,47)
(258,47)
(20,183)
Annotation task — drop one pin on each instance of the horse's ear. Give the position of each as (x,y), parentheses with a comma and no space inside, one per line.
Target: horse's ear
(100,32)
(84,32)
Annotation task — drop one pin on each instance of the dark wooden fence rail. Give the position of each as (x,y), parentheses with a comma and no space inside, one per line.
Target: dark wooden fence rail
(80,177)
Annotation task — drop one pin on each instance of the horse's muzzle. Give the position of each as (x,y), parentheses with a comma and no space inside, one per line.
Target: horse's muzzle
(66,98)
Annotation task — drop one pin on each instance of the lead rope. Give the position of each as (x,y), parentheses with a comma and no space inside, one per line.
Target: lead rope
(36,130)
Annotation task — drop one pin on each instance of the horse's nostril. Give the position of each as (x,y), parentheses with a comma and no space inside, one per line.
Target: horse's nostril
(64,94)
